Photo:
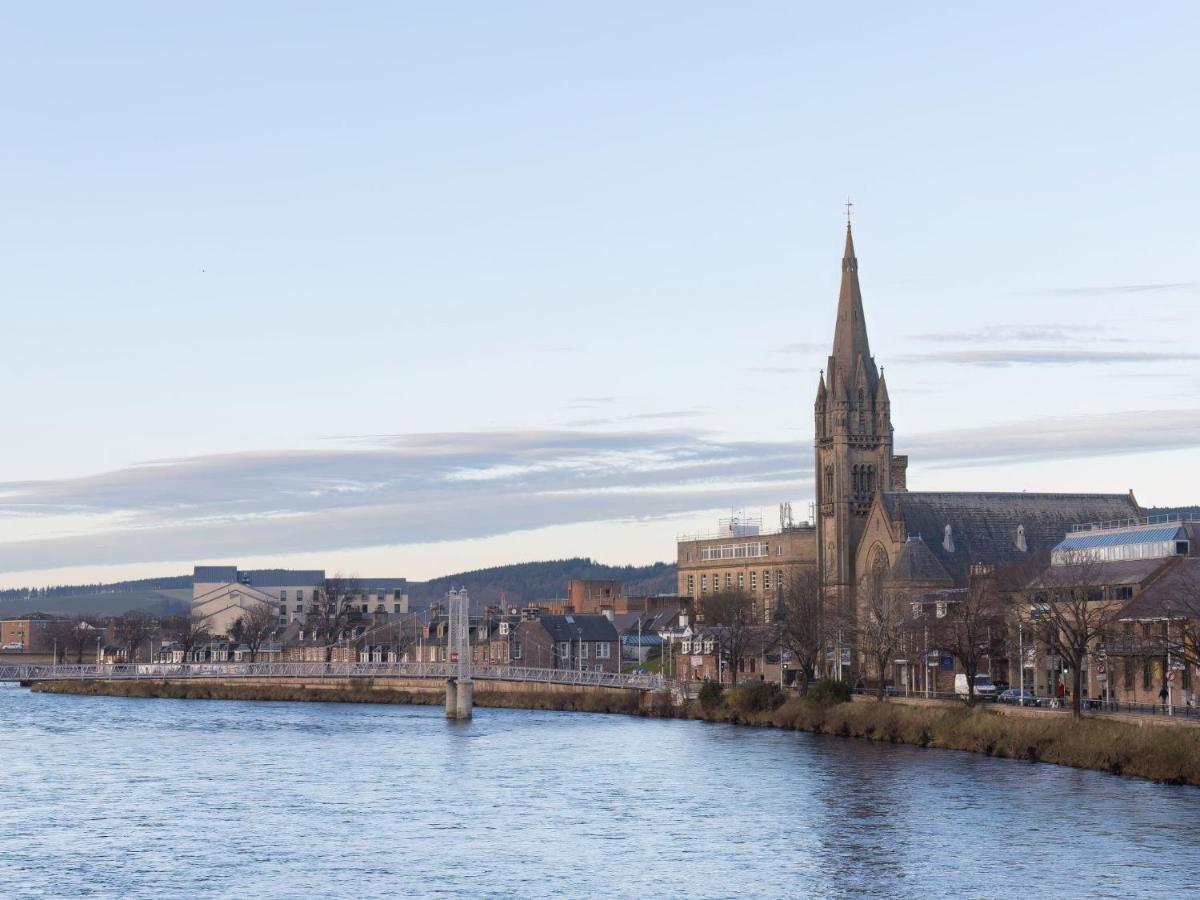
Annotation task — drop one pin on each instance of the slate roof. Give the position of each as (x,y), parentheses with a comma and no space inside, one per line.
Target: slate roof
(915,563)
(567,628)
(1175,594)
(984,526)
(284,578)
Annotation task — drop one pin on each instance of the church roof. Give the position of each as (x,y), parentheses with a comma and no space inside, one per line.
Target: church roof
(916,564)
(991,527)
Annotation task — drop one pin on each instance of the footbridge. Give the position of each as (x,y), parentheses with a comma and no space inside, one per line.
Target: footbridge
(309,670)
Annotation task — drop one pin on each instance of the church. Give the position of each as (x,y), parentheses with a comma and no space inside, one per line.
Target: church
(867,521)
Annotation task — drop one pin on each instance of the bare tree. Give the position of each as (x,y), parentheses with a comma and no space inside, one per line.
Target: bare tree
(971,620)
(331,612)
(882,624)
(133,630)
(189,631)
(72,637)
(254,626)
(1069,597)
(801,622)
(730,615)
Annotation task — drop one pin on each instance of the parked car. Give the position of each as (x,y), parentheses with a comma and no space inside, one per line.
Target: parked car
(1017,697)
(13,645)
(984,689)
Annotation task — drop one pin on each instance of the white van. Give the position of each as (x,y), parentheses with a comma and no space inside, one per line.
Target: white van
(984,689)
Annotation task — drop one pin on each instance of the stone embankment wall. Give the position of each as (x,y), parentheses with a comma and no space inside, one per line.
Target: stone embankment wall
(417,691)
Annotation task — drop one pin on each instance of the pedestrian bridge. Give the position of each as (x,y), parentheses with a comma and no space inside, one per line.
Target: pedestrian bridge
(260,670)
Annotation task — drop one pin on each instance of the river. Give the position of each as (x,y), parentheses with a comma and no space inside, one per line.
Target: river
(115,797)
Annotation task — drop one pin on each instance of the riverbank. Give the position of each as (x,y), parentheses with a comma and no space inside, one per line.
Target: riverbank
(1163,754)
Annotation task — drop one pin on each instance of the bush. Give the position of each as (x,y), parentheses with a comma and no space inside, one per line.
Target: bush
(827,692)
(711,694)
(759,696)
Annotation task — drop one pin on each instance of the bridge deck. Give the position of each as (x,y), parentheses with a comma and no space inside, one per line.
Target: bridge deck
(439,671)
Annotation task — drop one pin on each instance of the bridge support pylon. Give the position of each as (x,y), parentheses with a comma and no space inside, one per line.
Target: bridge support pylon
(460,698)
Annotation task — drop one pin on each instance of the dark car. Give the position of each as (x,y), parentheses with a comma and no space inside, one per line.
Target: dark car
(1016,697)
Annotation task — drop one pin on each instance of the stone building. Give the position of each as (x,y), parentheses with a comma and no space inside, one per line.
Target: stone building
(740,556)
(866,518)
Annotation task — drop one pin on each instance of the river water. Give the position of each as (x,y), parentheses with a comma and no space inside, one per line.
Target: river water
(112,797)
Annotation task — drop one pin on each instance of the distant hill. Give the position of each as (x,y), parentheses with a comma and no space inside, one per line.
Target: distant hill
(525,582)
(516,585)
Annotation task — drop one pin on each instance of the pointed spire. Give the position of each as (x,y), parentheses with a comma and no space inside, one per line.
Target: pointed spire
(822,392)
(881,395)
(850,335)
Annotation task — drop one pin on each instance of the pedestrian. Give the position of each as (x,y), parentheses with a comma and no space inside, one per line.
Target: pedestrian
(1061,690)
(1162,695)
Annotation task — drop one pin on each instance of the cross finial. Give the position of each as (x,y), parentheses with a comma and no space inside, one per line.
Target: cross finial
(849,206)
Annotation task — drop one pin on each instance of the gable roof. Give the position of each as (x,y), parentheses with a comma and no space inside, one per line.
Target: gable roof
(579,627)
(1174,594)
(984,526)
(916,564)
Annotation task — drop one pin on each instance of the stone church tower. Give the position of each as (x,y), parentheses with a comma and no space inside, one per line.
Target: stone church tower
(853,438)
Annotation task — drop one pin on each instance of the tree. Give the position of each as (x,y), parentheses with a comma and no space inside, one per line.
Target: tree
(730,615)
(189,631)
(133,630)
(254,626)
(801,622)
(331,612)
(1069,599)
(73,637)
(882,623)
(970,621)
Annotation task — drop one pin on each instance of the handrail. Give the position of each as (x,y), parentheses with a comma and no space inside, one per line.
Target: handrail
(438,670)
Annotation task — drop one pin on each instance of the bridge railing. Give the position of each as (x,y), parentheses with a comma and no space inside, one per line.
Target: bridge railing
(438,670)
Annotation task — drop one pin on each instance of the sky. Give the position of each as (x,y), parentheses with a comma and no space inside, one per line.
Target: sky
(414,288)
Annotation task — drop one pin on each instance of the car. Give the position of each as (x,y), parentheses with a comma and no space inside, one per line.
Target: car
(1017,697)
(13,645)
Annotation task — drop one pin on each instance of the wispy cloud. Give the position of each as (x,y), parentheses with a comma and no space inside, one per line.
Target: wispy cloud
(1046,357)
(1113,289)
(1002,334)
(409,489)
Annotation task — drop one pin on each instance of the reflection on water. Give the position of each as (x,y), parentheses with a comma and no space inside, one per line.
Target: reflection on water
(170,798)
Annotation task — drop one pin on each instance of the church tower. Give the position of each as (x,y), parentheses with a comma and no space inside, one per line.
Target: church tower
(853,441)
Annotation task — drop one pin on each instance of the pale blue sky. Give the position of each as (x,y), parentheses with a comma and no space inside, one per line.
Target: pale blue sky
(410,288)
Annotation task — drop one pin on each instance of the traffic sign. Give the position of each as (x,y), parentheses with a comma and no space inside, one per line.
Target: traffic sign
(1171,677)
(453,656)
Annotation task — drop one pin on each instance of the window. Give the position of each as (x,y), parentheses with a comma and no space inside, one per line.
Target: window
(1124,592)
(396,608)
(564,649)
(603,650)
(583,650)
(1146,676)
(703,583)
(516,650)
(299,607)
(754,581)
(283,596)
(599,668)
(766,580)
(708,646)
(828,484)
(741,580)
(299,596)
(364,607)
(728,579)
(685,646)
(691,585)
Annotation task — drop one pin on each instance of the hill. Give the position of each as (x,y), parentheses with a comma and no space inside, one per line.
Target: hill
(515,585)
(522,583)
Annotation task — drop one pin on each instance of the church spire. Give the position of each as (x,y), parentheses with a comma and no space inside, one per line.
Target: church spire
(850,334)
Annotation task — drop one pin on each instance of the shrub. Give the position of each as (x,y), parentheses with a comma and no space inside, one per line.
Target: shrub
(827,692)
(711,694)
(759,696)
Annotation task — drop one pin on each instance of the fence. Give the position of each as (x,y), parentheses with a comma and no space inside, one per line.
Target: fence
(439,670)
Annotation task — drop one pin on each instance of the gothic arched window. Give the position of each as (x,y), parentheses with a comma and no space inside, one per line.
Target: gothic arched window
(829,482)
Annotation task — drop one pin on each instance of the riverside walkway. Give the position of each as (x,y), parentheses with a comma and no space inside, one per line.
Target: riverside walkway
(269,670)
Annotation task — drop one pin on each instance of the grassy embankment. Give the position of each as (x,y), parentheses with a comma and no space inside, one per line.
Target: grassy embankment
(1164,753)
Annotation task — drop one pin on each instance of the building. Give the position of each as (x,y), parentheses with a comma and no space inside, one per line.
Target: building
(865,514)
(27,634)
(571,642)
(224,593)
(699,657)
(589,596)
(741,556)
